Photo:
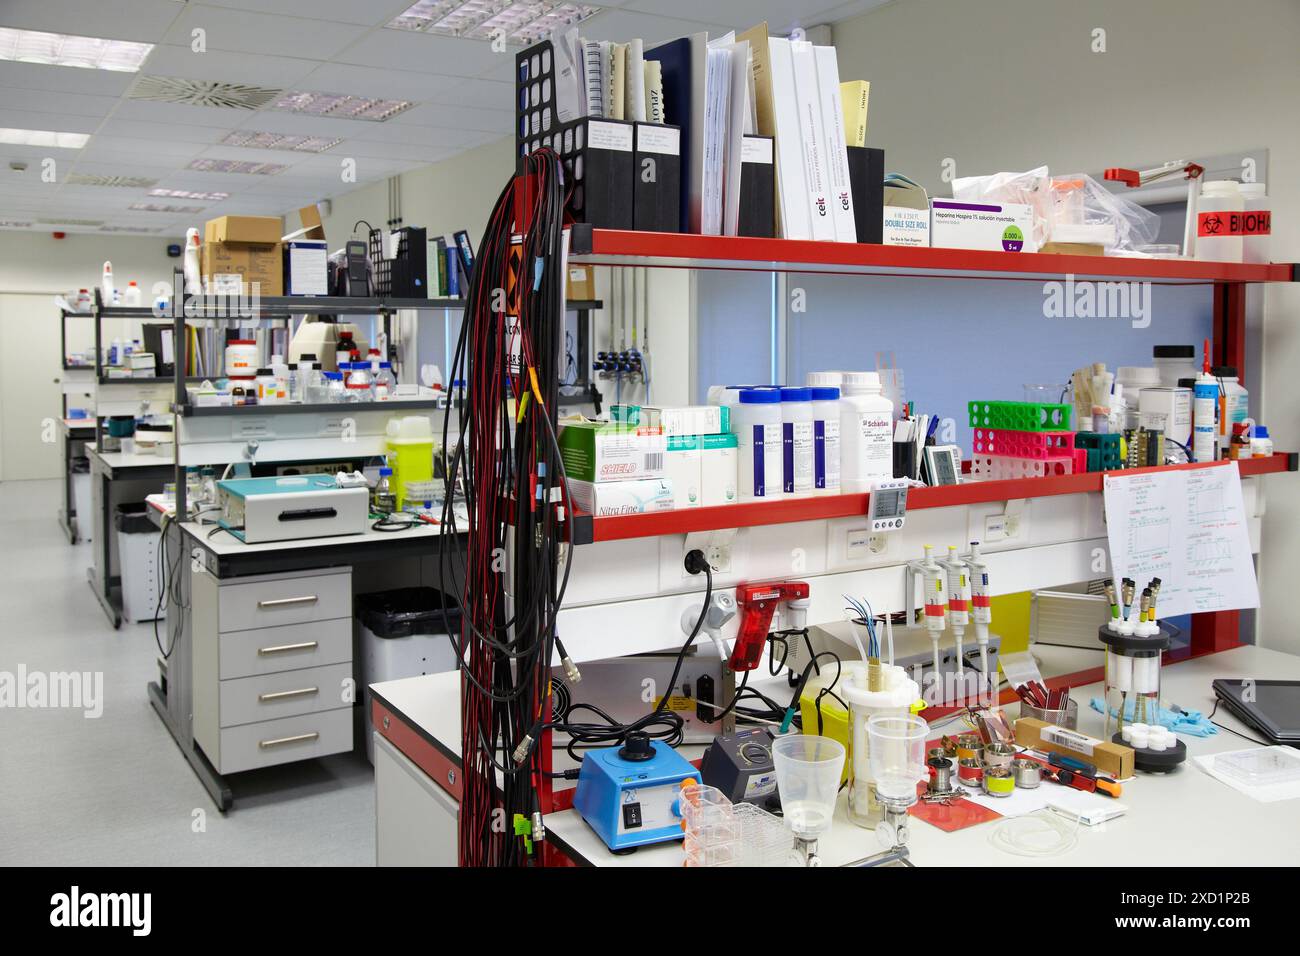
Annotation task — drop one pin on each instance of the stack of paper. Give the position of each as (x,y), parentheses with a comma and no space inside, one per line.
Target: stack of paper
(603,79)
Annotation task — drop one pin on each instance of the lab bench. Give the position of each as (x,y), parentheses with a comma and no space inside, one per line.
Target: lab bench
(1185,818)
(260,667)
(75,436)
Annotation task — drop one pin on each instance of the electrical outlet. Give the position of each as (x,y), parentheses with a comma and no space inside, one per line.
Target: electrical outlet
(716,546)
(995,529)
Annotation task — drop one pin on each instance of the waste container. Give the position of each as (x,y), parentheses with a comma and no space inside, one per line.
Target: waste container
(138,540)
(404,633)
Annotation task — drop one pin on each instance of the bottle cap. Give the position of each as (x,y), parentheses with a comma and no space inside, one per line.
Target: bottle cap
(861,381)
(1261,431)
(796,394)
(825,393)
(263,371)
(1173,351)
(1223,371)
(825,379)
(385,472)
(760,396)
(307,357)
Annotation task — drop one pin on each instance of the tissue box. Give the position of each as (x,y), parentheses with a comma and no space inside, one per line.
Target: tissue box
(609,451)
(682,468)
(609,498)
(686,419)
(718,462)
(999,227)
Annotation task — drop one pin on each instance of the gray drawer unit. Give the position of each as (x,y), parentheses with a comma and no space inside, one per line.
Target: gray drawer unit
(272,667)
(272,742)
(267,650)
(247,700)
(274,600)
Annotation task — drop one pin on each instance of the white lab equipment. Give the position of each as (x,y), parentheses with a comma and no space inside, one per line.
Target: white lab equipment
(897,765)
(756,420)
(826,439)
(808,771)
(866,433)
(796,441)
(893,694)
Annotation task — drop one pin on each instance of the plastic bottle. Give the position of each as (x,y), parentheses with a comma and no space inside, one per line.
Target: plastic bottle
(756,420)
(1256,222)
(1234,401)
(826,439)
(334,390)
(241,358)
(190,264)
(344,350)
(280,369)
(1218,221)
(106,288)
(357,382)
(133,295)
(866,433)
(266,387)
(384,382)
(1174,362)
(298,376)
(796,441)
(83,300)
(1261,446)
(115,353)
(314,389)
(1205,404)
(382,500)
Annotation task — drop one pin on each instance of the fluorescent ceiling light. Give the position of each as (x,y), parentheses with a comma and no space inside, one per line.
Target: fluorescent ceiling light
(60,49)
(13,224)
(298,144)
(186,194)
(235,166)
(340,106)
(162,207)
(519,21)
(87,179)
(43,137)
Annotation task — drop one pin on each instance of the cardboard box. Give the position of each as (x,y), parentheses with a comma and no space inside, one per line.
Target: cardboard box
(259,229)
(609,451)
(582,283)
(1073,249)
(682,468)
(686,419)
(1114,760)
(229,268)
(994,227)
(906,212)
(719,458)
(609,498)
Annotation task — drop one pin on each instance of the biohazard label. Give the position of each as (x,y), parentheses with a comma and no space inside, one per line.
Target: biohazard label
(1224,222)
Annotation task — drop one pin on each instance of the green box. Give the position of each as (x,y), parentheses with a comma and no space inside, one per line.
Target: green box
(610,451)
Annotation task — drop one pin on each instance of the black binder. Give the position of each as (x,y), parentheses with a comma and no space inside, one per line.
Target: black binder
(657,178)
(757,188)
(867,180)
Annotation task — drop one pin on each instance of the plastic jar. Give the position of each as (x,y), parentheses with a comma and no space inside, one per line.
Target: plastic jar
(1256,223)
(267,388)
(357,382)
(384,382)
(756,420)
(1218,222)
(241,358)
(1174,362)
(826,439)
(334,388)
(314,387)
(1234,401)
(866,433)
(796,441)
(1261,446)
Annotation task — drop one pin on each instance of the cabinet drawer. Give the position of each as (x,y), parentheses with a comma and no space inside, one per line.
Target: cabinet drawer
(276,601)
(268,650)
(247,700)
(273,742)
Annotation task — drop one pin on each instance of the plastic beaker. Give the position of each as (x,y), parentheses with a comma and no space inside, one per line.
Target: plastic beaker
(808,778)
(897,756)
(1046,394)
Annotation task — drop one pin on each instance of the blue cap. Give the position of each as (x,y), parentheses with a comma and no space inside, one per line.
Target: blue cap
(760,396)
(825,393)
(334,376)
(798,393)
(385,472)
(1261,431)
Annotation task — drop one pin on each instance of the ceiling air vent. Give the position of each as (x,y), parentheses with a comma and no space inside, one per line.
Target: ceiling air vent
(172,89)
(88,179)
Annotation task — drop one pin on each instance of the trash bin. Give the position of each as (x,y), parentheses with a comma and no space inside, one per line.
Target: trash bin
(137,556)
(403,634)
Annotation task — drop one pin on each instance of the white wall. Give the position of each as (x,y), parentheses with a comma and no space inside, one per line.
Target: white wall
(1014,84)
(37,262)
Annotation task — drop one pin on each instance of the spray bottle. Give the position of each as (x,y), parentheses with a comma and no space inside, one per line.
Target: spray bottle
(959,597)
(1205,403)
(190,264)
(936,605)
(106,288)
(981,607)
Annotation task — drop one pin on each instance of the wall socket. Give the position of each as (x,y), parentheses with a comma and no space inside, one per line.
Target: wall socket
(716,546)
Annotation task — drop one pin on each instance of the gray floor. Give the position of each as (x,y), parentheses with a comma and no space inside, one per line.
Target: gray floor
(115,790)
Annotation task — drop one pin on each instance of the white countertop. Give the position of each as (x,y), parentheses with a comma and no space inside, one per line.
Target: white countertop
(223,544)
(1181,819)
(117,459)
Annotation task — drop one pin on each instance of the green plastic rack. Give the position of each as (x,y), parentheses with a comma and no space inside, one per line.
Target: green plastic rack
(1020,416)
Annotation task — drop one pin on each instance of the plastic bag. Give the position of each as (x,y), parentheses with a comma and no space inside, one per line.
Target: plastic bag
(1083,210)
(1031,188)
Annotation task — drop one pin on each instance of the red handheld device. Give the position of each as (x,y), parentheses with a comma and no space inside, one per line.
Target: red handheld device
(758,602)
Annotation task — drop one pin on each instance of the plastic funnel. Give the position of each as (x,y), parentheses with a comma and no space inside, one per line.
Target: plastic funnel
(896,755)
(808,773)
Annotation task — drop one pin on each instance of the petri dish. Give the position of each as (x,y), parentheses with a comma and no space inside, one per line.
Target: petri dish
(1262,767)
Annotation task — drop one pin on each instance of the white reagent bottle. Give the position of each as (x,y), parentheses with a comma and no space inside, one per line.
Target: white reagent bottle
(866,433)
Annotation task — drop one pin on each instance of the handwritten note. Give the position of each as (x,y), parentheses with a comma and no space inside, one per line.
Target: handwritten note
(1188,528)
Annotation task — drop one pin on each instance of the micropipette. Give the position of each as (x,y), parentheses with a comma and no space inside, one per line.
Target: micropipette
(936,605)
(959,592)
(981,608)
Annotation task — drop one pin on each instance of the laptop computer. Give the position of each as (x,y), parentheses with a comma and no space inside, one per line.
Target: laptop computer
(1271,707)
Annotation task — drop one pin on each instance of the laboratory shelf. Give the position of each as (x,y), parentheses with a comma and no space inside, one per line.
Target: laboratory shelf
(689,251)
(393,406)
(824,507)
(221,306)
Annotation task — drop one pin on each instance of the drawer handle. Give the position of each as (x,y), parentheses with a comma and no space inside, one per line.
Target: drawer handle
(279,741)
(282,694)
(285,602)
(281,648)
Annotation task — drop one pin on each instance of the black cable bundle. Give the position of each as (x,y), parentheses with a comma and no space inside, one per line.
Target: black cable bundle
(508,464)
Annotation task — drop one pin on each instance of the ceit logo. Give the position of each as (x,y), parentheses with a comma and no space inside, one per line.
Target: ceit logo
(821,205)
(102,910)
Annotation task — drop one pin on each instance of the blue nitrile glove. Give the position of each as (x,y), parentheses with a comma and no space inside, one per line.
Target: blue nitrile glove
(1190,722)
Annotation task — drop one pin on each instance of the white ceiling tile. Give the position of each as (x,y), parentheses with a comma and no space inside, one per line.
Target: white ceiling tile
(142,20)
(103,146)
(24,119)
(145,131)
(212,117)
(480,94)
(57,103)
(277,72)
(62,79)
(340,11)
(424,53)
(244,31)
(457,117)
(411,152)
(376,82)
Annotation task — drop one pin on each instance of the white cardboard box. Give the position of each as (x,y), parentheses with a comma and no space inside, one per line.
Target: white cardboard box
(682,468)
(719,460)
(634,497)
(994,227)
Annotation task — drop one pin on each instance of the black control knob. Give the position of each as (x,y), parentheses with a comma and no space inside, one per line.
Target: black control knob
(636,747)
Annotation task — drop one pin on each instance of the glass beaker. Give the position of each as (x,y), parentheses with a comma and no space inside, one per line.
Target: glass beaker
(897,756)
(808,778)
(1049,394)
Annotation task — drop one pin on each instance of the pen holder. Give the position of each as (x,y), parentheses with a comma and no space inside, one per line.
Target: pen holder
(1067,716)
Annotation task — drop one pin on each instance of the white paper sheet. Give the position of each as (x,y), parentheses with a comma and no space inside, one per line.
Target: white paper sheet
(1265,794)
(1188,528)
